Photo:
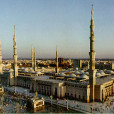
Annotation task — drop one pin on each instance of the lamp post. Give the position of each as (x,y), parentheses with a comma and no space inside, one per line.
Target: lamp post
(51,99)
(15,90)
(67,103)
(57,100)
(25,92)
(36,93)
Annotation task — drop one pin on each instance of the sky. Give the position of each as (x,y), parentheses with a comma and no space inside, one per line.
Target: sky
(43,24)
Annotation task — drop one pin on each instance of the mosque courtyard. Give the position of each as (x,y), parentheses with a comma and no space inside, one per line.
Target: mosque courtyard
(12,104)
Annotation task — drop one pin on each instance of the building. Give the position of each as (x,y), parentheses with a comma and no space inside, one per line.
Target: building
(35,103)
(88,89)
(77,63)
(78,84)
(61,60)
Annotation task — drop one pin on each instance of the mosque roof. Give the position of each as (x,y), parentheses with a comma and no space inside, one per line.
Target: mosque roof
(110,72)
(72,75)
(49,80)
(77,72)
(61,74)
(104,79)
(84,76)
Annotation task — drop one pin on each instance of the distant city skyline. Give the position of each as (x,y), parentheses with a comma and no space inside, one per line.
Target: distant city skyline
(44,24)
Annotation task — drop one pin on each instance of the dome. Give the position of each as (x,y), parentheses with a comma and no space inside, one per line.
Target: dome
(98,74)
(25,70)
(84,76)
(30,68)
(110,72)
(61,74)
(38,72)
(77,72)
(81,72)
(72,75)
(101,72)
(31,71)
(87,73)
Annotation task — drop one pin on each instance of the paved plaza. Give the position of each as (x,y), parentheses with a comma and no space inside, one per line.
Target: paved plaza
(96,107)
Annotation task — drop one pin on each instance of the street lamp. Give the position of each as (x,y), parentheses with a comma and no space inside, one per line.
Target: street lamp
(15,90)
(67,103)
(51,99)
(36,93)
(25,92)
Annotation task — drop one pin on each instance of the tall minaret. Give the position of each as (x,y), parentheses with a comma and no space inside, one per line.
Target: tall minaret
(0,59)
(57,70)
(15,55)
(92,72)
(34,60)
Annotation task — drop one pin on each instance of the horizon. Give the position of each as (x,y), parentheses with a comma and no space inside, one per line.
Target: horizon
(63,23)
(59,57)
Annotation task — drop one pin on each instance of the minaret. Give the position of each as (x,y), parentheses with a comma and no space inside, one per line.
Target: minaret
(15,55)
(34,60)
(0,59)
(57,70)
(92,72)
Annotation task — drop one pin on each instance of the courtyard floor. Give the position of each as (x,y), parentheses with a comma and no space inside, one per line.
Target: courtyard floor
(96,107)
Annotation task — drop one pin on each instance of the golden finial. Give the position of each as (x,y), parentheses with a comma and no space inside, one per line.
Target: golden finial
(14,29)
(92,12)
(56,47)
(34,50)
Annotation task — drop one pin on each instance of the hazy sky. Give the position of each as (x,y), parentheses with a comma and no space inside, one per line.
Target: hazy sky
(44,24)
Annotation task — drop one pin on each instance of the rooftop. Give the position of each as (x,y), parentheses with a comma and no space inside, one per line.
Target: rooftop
(49,80)
(104,79)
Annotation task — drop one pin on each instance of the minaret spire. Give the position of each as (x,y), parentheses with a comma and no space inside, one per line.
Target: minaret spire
(15,55)
(92,43)
(92,12)
(57,70)
(0,59)
(34,60)
(14,29)
(92,71)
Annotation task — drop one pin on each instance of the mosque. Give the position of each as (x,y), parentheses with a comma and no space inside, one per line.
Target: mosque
(86,85)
